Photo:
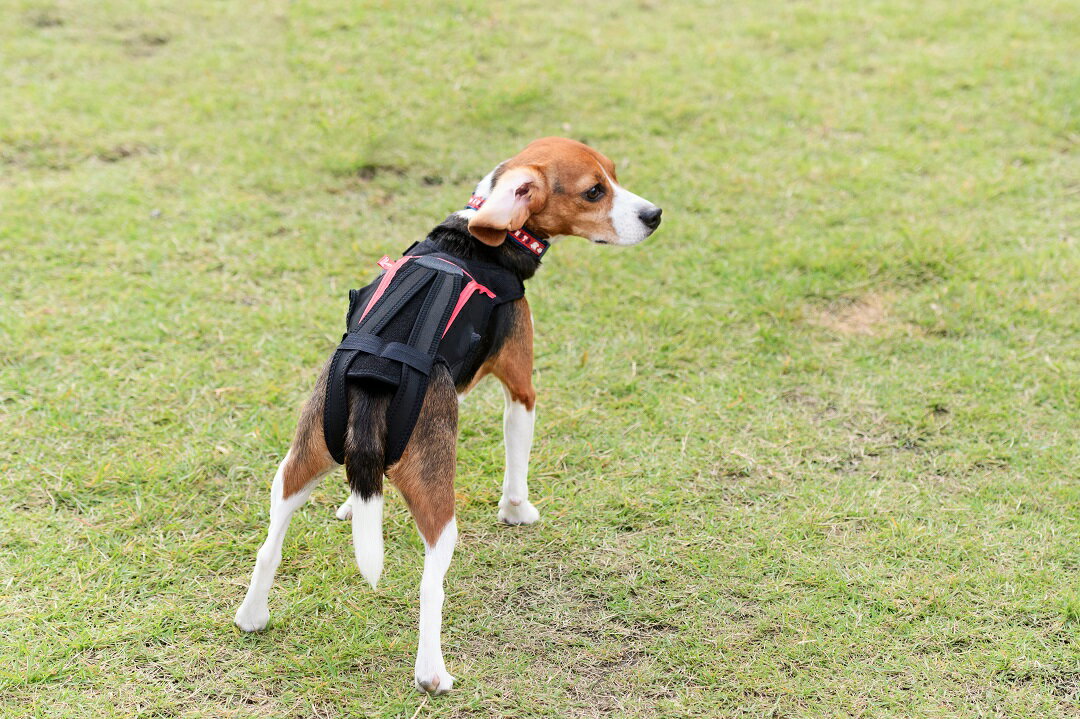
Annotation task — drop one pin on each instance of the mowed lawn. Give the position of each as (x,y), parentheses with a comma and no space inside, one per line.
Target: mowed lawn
(812,451)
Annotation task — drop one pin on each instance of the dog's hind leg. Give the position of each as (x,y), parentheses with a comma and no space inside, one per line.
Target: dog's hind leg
(305,463)
(425,477)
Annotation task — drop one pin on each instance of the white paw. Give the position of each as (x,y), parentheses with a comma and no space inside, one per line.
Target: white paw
(344,511)
(435,681)
(523,513)
(252,619)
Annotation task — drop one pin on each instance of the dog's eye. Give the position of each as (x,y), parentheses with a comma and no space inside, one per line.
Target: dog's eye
(594,193)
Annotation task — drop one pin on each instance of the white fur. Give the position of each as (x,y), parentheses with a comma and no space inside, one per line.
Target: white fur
(344,512)
(431,675)
(518,424)
(367,536)
(483,189)
(625,211)
(254,613)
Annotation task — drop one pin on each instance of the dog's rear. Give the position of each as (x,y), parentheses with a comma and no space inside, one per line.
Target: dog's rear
(424,475)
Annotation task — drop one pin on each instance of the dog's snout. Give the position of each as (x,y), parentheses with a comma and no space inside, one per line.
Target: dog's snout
(650,217)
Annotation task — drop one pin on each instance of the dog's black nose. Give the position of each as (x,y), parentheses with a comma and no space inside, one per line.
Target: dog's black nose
(651,217)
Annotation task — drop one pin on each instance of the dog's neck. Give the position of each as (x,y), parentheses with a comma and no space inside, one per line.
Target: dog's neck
(453,238)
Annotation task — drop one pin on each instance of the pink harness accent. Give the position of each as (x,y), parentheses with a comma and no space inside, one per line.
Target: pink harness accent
(466,292)
(391,268)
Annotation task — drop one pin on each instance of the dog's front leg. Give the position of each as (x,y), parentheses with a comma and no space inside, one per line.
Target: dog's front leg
(513,366)
(519,419)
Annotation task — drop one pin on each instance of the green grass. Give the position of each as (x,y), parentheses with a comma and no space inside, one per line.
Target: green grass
(813,451)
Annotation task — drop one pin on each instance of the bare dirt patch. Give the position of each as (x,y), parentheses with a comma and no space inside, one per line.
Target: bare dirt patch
(123,151)
(45,19)
(868,315)
(146,44)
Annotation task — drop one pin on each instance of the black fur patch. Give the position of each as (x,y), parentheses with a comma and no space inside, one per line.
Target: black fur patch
(365,439)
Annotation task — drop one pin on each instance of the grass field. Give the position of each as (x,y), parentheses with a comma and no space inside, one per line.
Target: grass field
(813,451)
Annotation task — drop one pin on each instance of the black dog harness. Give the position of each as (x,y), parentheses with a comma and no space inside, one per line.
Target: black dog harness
(426,308)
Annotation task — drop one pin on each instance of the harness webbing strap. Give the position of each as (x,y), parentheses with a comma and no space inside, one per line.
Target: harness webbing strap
(387,278)
(407,278)
(405,406)
(336,404)
(397,351)
(466,293)
(410,285)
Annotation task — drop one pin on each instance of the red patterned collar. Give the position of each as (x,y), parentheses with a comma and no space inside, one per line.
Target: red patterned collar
(522,238)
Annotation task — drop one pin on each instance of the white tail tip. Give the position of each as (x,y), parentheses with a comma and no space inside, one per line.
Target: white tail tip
(367,536)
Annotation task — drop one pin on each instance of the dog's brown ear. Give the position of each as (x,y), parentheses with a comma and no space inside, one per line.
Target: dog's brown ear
(518,193)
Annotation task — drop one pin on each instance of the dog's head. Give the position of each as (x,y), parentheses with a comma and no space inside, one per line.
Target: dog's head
(557,186)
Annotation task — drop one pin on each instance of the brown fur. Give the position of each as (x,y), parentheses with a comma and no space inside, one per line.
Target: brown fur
(513,363)
(564,170)
(425,473)
(309,457)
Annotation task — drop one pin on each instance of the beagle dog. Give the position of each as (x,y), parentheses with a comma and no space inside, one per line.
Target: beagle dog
(554,187)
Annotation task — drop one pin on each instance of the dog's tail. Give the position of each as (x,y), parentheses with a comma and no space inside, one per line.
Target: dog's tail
(367,536)
(364,451)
